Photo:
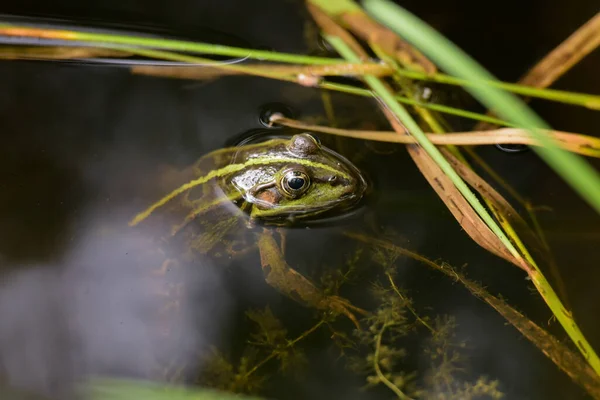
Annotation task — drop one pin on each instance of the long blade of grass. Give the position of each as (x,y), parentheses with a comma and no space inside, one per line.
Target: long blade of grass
(166,44)
(578,173)
(573,169)
(71,36)
(210,70)
(580,99)
(98,39)
(349,15)
(463,204)
(411,125)
(402,122)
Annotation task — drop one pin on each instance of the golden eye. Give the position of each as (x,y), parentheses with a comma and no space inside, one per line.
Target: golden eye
(294,183)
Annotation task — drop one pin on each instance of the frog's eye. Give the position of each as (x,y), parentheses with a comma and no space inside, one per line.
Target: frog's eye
(294,183)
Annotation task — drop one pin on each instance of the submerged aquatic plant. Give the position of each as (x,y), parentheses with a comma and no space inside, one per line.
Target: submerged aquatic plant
(395,320)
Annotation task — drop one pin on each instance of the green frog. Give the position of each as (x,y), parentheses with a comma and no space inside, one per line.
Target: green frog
(275,183)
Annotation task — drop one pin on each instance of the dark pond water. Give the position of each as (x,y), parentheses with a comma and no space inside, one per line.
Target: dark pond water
(84,148)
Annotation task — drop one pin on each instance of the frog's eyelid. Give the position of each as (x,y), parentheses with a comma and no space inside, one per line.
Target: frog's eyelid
(314,137)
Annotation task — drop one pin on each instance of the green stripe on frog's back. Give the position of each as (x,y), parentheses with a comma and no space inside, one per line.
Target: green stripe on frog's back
(292,160)
(230,169)
(213,157)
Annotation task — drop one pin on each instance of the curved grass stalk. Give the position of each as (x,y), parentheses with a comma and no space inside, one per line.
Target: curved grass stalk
(284,74)
(106,39)
(578,173)
(335,64)
(405,100)
(400,112)
(193,71)
(499,207)
(580,99)
(397,391)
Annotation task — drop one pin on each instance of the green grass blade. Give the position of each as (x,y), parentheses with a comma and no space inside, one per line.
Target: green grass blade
(405,100)
(413,127)
(572,168)
(579,99)
(576,171)
(165,44)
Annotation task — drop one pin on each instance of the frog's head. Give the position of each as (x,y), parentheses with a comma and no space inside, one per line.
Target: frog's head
(297,179)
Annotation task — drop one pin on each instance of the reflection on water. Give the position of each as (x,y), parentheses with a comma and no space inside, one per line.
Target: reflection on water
(102,311)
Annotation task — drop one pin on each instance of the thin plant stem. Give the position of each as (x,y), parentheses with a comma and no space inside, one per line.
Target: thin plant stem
(503,220)
(167,55)
(319,84)
(579,99)
(579,174)
(251,70)
(400,112)
(404,100)
(289,344)
(582,144)
(401,395)
(166,44)
(285,76)
(410,307)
